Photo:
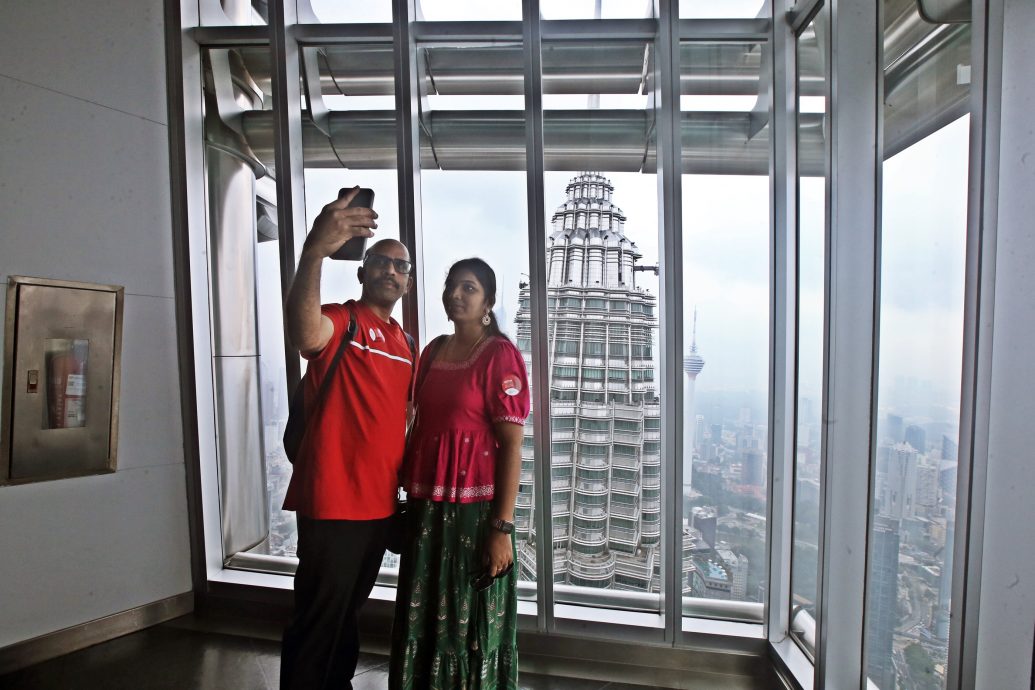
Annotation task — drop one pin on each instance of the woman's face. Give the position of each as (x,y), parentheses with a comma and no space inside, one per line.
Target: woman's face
(464,297)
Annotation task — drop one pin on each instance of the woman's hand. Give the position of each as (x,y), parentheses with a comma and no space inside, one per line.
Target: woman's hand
(498,552)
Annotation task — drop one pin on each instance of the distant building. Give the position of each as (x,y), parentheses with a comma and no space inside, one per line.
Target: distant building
(693,364)
(715,434)
(711,579)
(916,437)
(737,567)
(894,428)
(705,519)
(882,601)
(605,433)
(896,487)
(944,604)
(926,487)
(947,472)
(753,469)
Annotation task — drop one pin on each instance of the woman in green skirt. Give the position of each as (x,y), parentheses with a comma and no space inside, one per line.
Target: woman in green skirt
(456,606)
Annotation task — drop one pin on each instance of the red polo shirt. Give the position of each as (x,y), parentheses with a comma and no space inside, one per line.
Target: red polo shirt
(348,465)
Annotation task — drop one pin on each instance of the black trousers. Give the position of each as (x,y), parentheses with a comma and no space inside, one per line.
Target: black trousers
(338,562)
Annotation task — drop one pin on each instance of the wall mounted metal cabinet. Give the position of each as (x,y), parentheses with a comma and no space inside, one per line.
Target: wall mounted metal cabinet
(61,379)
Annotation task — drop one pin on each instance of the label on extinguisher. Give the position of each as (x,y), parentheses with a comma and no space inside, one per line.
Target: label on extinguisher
(75,413)
(74,385)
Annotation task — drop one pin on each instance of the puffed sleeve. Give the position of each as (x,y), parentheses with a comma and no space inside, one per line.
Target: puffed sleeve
(507,385)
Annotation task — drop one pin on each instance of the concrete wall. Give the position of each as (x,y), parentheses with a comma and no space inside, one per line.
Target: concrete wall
(84,195)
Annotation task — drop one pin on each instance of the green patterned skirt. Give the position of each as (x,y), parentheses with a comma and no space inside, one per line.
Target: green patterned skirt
(446,635)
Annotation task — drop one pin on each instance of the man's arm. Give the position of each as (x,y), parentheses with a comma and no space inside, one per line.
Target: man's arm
(307,328)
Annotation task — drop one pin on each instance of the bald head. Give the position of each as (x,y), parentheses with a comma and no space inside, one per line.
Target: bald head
(385,282)
(389,247)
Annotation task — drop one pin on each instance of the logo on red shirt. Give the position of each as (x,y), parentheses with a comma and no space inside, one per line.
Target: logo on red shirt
(511,385)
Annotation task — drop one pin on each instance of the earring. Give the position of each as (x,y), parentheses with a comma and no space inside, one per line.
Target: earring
(486,319)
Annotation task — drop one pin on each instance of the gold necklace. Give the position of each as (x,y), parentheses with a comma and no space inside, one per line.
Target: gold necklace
(470,350)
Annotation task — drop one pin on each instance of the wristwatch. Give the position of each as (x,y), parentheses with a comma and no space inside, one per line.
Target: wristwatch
(501,525)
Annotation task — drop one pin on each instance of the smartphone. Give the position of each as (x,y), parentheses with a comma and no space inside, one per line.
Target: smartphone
(353,249)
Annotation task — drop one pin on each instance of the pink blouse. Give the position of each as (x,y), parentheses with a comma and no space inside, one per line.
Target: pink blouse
(451,454)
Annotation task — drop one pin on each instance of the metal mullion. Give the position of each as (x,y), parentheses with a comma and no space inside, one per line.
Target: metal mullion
(598,29)
(287,137)
(336,34)
(468,32)
(538,305)
(223,36)
(726,30)
(978,321)
(783,330)
(187,205)
(802,13)
(850,338)
(407,108)
(670,188)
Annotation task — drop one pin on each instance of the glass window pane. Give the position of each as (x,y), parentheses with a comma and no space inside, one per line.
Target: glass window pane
(602,206)
(726,9)
(350,11)
(357,148)
(357,87)
(923,248)
(233,13)
(921,326)
(725,161)
(246,303)
(811,241)
(473,204)
(596,9)
(607,523)
(469,10)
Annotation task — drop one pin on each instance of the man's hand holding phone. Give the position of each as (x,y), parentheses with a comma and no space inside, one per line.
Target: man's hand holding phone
(343,224)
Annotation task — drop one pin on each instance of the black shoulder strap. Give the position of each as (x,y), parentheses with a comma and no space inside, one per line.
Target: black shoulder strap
(413,358)
(350,334)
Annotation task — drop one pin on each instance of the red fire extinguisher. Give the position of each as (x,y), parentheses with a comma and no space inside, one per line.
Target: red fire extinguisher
(66,384)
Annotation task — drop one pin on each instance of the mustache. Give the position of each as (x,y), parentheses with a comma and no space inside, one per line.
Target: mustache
(386,281)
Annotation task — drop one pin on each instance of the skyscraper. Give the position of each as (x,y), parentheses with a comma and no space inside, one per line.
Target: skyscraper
(944,605)
(894,428)
(882,601)
(605,460)
(916,437)
(896,488)
(693,363)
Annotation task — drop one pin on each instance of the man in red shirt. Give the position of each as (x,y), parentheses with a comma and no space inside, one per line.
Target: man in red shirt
(343,485)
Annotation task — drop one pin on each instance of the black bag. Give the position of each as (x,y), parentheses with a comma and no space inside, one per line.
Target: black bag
(397,524)
(397,528)
(298,416)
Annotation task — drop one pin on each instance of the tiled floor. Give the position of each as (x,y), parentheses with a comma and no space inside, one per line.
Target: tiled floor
(172,657)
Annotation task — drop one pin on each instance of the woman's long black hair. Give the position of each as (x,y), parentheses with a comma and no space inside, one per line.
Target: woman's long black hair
(486,277)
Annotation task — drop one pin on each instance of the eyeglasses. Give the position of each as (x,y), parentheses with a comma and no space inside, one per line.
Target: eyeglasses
(380,262)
